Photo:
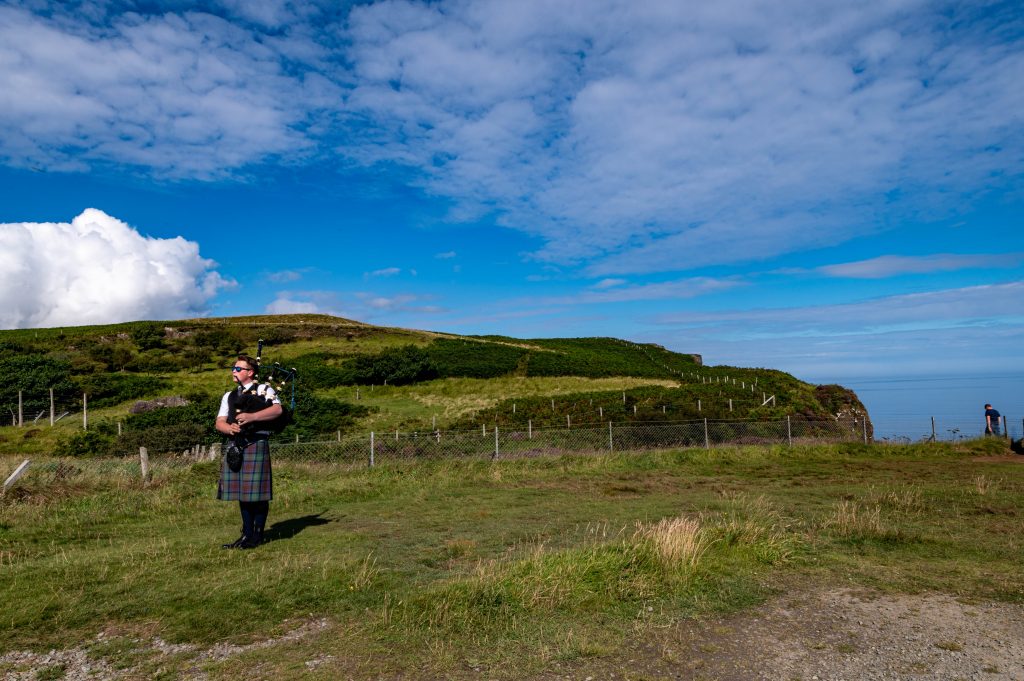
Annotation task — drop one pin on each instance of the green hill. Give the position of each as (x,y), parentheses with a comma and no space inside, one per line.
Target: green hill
(357,377)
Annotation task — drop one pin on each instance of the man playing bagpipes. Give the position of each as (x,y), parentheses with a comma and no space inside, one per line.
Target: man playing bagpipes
(248,415)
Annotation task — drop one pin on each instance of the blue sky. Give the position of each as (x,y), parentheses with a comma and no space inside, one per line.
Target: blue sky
(831,189)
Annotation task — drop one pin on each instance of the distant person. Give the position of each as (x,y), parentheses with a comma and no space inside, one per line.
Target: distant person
(991,420)
(245,474)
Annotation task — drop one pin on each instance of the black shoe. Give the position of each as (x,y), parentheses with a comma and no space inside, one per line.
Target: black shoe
(235,544)
(248,543)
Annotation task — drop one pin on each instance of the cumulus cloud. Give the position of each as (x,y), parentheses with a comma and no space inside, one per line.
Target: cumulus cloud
(97,269)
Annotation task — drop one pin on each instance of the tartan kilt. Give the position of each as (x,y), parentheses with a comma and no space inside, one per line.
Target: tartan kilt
(253,482)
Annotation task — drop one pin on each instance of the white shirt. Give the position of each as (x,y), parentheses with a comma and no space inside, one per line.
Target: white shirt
(262,389)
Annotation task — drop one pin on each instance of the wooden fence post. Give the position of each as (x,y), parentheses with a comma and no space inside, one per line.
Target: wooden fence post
(144,464)
(372,453)
(13,478)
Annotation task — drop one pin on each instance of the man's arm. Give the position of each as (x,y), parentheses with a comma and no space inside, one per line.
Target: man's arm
(268,414)
(226,428)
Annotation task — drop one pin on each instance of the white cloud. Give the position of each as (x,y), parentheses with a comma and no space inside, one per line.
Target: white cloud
(386,272)
(286,304)
(628,136)
(895,265)
(364,306)
(98,270)
(609,283)
(284,276)
(187,95)
(663,290)
(953,331)
(994,304)
(447,255)
(644,137)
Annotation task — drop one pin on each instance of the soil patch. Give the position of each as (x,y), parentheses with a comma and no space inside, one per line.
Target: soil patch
(833,635)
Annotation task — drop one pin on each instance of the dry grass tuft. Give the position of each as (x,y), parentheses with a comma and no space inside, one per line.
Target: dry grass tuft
(677,541)
(985,486)
(851,519)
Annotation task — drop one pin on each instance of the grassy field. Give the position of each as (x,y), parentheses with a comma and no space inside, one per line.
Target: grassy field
(452,399)
(450,568)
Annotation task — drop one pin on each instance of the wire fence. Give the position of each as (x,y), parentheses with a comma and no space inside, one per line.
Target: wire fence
(494,443)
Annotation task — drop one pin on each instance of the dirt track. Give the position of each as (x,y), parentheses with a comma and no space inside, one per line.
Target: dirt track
(833,635)
(808,636)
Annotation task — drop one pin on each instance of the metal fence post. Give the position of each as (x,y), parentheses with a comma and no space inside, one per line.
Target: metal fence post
(529,429)
(933,429)
(495,442)
(371,449)
(707,440)
(789,431)
(611,443)
(865,426)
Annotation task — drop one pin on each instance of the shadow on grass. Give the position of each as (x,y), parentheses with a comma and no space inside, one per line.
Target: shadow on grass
(286,529)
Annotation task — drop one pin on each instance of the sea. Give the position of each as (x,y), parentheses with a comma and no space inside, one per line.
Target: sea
(902,407)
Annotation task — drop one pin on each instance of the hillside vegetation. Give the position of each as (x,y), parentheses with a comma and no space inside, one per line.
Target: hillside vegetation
(355,376)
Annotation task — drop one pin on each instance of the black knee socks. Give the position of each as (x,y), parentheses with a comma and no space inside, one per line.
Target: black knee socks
(254,518)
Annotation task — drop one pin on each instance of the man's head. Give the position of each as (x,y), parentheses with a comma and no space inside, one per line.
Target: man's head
(244,369)
(988,406)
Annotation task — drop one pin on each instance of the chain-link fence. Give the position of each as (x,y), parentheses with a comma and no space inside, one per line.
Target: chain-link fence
(494,443)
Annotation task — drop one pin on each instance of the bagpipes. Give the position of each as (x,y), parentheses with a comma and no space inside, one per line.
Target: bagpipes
(280,379)
(286,377)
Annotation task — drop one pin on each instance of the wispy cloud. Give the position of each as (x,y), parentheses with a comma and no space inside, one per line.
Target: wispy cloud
(628,137)
(376,304)
(977,328)
(654,137)
(367,306)
(182,95)
(995,304)
(284,276)
(447,255)
(385,272)
(665,290)
(895,265)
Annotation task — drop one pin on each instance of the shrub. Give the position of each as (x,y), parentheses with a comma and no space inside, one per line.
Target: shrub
(84,443)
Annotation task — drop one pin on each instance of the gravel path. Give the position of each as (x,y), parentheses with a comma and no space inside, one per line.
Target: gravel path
(828,635)
(834,635)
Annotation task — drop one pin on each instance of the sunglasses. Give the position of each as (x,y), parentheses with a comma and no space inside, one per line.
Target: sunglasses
(237,369)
